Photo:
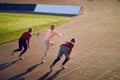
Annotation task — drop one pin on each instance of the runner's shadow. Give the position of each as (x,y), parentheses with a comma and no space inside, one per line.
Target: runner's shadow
(54,75)
(7,64)
(18,76)
(23,78)
(90,0)
(45,76)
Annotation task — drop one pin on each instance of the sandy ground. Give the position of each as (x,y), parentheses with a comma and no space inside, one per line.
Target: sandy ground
(96,55)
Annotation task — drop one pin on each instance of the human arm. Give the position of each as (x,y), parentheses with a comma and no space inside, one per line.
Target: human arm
(68,56)
(28,41)
(70,49)
(40,32)
(58,34)
(69,53)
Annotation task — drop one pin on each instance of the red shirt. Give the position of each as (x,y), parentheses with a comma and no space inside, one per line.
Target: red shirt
(27,36)
(70,45)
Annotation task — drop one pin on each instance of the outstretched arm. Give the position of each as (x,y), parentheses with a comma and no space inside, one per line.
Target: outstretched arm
(58,34)
(40,32)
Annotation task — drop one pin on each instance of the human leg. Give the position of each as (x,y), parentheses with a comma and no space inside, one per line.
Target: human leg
(19,47)
(46,41)
(66,58)
(64,62)
(25,49)
(44,55)
(56,60)
(60,53)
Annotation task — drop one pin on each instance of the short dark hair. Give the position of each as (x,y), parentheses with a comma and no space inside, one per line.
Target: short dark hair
(53,26)
(30,29)
(73,40)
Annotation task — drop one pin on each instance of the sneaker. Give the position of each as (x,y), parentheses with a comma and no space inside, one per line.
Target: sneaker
(51,66)
(64,67)
(21,57)
(43,61)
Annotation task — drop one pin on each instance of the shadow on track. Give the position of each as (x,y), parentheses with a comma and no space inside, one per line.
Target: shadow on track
(45,76)
(55,75)
(20,76)
(7,64)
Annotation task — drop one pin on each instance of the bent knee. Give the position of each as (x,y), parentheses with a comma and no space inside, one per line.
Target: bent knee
(58,58)
(67,59)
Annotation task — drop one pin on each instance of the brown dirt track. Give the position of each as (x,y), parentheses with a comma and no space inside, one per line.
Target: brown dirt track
(96,55)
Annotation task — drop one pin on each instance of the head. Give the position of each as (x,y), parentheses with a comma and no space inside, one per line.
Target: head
(53,27)
(72,40)
(30,30)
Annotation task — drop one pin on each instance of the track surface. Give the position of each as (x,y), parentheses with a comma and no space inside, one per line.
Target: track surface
(96,55)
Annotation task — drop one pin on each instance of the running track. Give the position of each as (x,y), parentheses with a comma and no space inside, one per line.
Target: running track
(96,55)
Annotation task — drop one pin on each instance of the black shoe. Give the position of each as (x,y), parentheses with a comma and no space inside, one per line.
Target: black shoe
(51,66)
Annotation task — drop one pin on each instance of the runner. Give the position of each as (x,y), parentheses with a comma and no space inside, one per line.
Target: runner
(23,43)
(50,33)
(65,49)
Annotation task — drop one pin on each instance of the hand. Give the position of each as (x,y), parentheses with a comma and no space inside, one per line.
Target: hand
(28,46)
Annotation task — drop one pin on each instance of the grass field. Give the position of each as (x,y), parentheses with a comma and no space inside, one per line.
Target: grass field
(12,24)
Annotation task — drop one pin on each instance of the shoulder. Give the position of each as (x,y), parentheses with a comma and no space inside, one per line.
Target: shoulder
(25,32)
(55,31)
(29,33)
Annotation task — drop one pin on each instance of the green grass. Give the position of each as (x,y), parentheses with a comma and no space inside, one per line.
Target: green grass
(13,25)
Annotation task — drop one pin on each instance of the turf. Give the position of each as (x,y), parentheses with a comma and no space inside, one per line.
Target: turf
(13,24)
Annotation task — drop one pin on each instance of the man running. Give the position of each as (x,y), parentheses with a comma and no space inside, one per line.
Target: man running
(23,43)
(65,49)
